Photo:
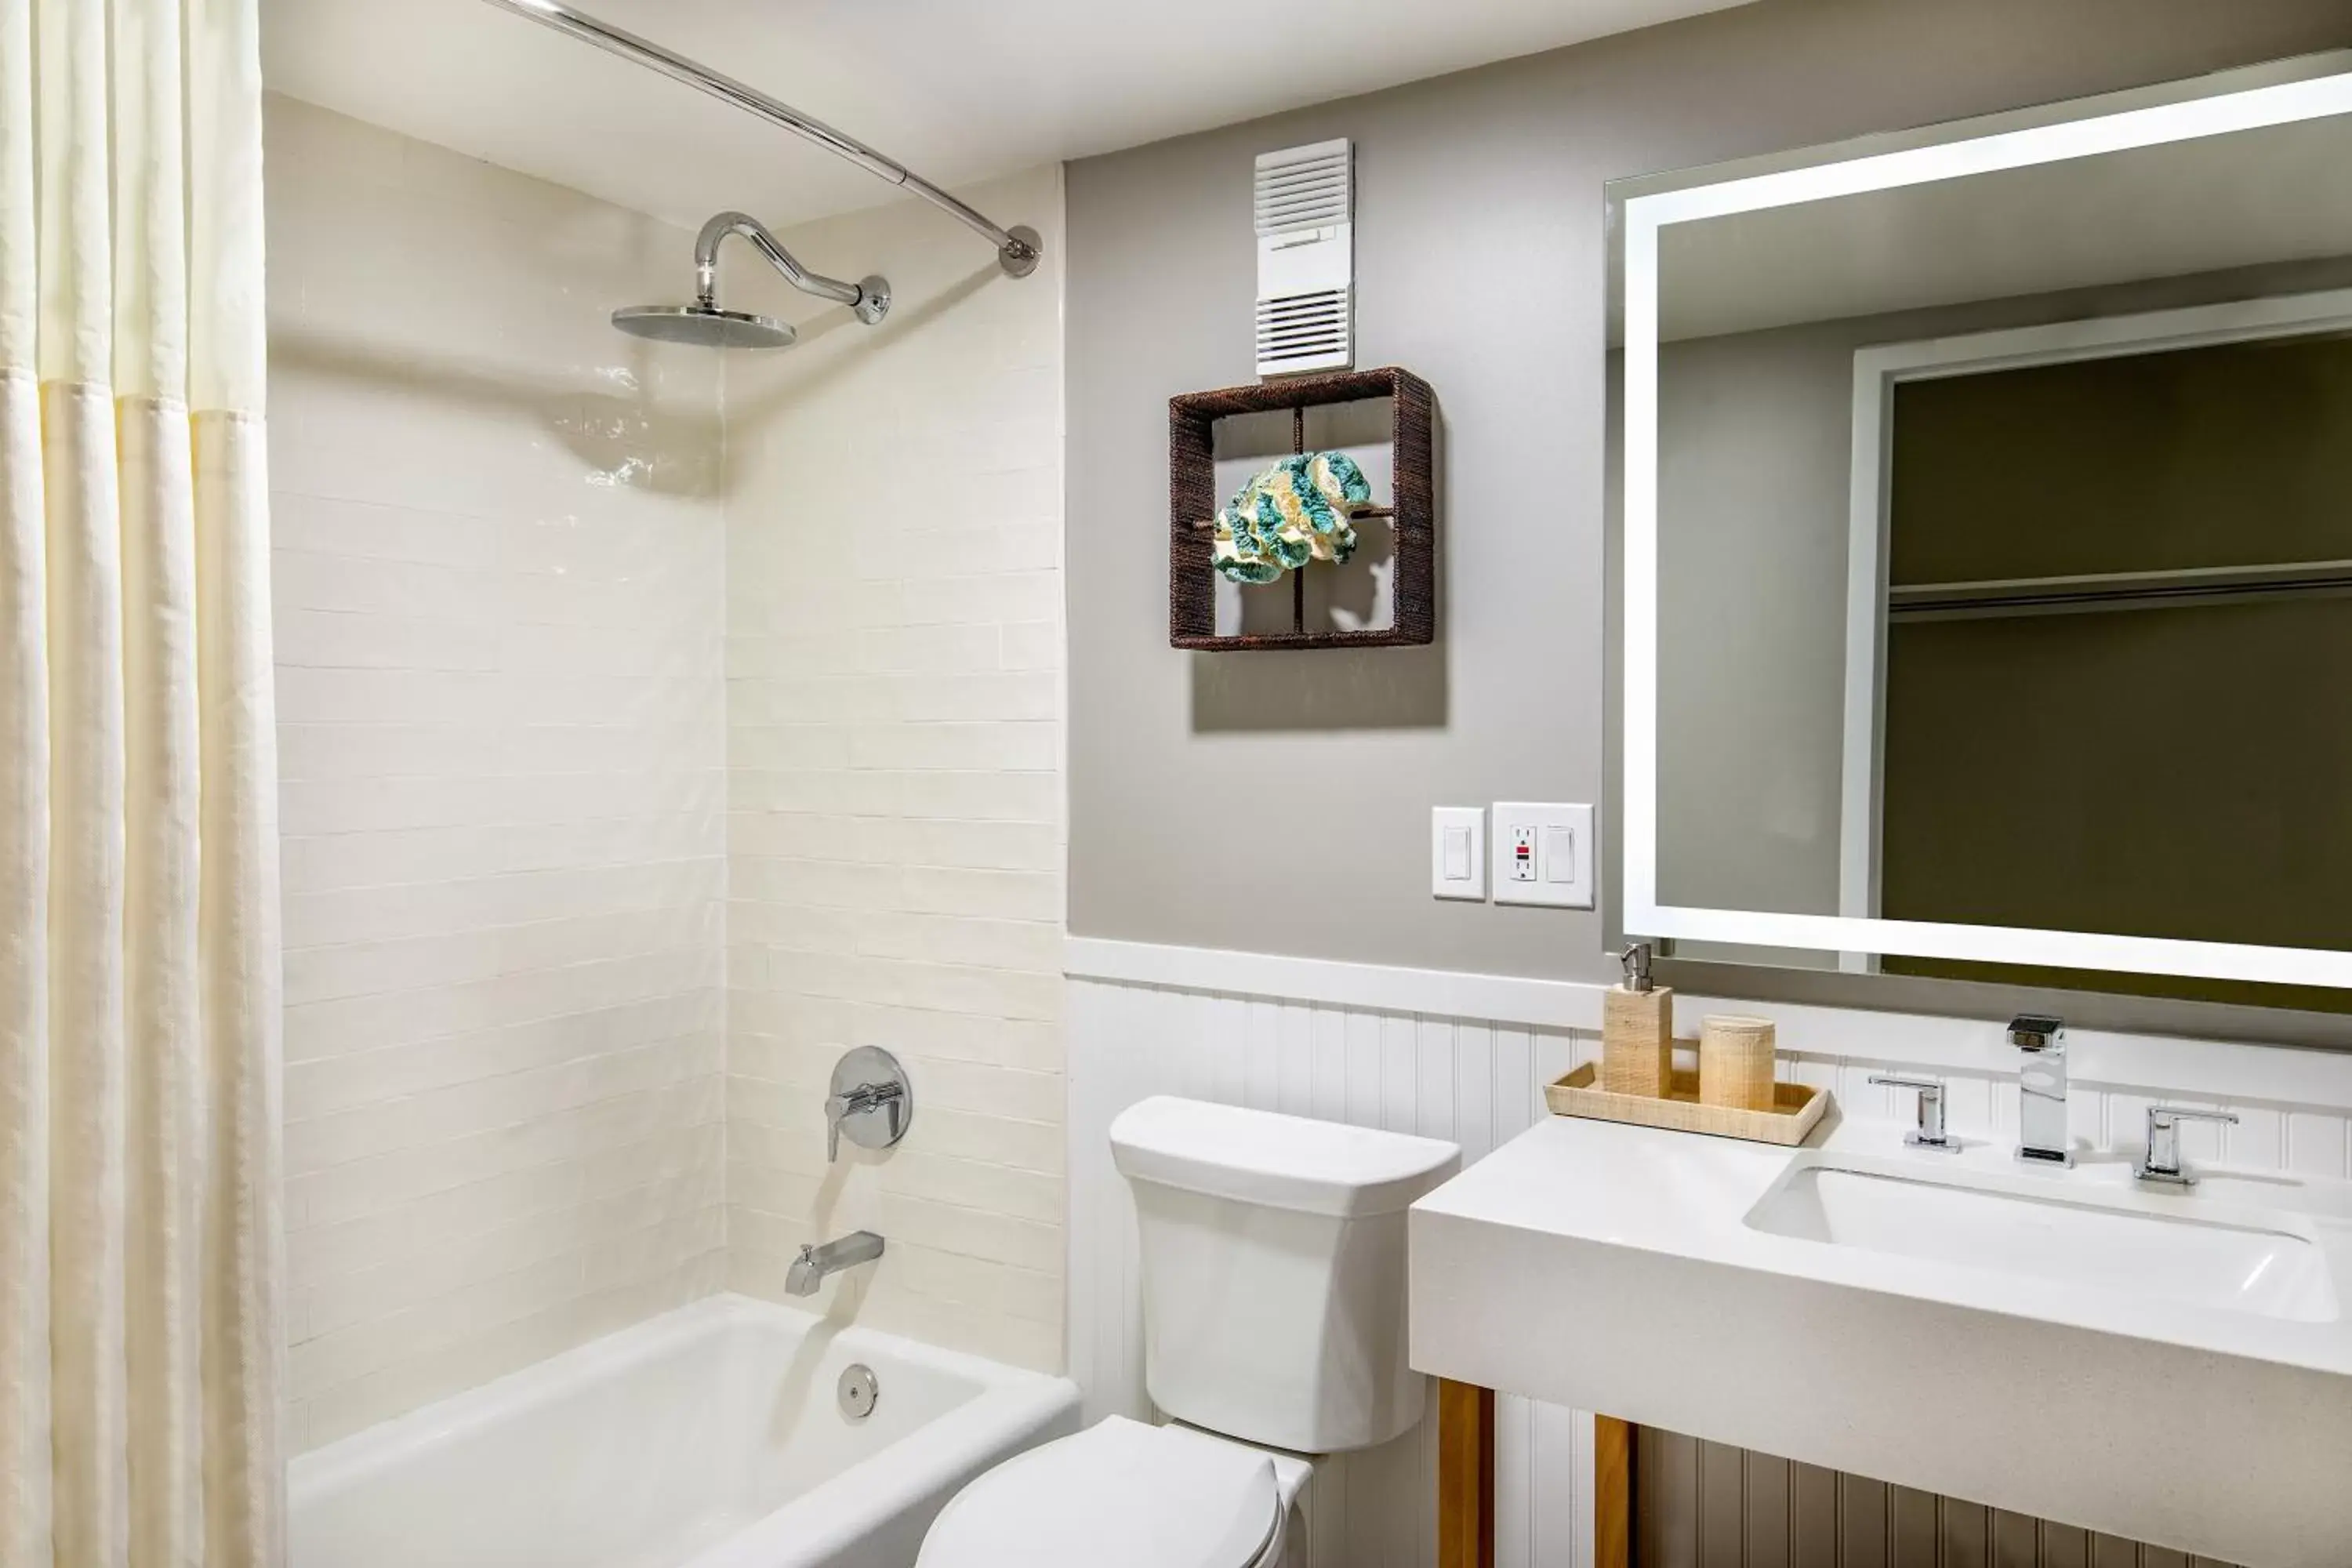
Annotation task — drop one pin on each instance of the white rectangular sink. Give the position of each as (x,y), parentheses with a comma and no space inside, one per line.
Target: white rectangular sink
(2160,1363)
(2197,1262)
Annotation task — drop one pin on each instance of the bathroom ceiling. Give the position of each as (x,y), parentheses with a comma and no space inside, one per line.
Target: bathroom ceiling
(2205,205)
(957,89)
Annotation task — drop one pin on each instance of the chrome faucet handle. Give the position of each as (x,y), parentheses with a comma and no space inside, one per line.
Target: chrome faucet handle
(2161,1160)
(1930,1133)
(864,1081)
(859,1100)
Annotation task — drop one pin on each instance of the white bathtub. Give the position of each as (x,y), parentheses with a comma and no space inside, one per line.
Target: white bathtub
(710,1438)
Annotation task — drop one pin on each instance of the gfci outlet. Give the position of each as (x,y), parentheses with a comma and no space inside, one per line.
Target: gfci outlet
(1544,855)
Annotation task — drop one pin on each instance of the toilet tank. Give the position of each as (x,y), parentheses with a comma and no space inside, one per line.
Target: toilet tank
(1274,1269)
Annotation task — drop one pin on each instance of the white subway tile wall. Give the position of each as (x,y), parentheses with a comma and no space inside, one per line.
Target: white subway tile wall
(1480,1082)
(498,569)
(895,798)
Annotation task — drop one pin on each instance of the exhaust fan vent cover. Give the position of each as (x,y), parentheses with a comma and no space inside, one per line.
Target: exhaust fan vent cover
(1305,209)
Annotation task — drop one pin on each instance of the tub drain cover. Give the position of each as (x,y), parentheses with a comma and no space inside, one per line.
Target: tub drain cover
(858,1391)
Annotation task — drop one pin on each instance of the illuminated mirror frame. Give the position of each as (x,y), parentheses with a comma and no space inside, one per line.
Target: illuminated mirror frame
(2145,124)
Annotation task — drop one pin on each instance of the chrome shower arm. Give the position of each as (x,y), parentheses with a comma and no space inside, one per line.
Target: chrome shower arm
(1017,250)
(705,262)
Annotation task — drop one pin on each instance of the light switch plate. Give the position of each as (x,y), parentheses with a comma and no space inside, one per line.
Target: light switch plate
(1556,869)
(1457,852)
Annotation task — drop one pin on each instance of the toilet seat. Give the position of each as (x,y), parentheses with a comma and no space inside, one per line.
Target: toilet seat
(1120,1492)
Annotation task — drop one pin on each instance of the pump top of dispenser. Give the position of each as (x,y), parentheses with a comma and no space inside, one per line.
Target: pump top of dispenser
(1636,961)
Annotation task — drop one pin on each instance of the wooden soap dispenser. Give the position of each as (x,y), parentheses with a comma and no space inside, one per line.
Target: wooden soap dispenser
(1637,1030)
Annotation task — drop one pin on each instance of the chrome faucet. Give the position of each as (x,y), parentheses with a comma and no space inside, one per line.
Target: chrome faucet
(1930,1133)
(809,1269)
(2042,1129)
(2162,1161)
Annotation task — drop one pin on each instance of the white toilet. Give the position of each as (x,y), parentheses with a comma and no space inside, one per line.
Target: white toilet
(1274,1316)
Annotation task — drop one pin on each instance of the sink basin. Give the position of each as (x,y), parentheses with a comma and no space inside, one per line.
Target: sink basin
(1864,1307)
(2197,1262)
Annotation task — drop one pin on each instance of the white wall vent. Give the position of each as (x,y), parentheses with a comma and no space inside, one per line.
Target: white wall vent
(1306,215)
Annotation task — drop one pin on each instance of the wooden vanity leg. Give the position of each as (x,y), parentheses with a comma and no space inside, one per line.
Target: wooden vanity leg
(1466,1476)
(1612,1492)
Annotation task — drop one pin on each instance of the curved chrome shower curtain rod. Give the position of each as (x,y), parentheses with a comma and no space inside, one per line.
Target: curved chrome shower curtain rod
(1017,250)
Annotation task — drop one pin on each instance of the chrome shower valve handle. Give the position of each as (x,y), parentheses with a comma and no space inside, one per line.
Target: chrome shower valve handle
(864,1100)
(871,1100)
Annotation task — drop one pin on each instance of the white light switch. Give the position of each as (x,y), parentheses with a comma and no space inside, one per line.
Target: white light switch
(1544,855)
(1457,852)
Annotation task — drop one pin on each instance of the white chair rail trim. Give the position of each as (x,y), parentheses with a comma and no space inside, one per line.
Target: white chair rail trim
(2215,1069)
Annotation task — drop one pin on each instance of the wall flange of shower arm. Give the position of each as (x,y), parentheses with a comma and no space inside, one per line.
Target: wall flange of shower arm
(1017,248)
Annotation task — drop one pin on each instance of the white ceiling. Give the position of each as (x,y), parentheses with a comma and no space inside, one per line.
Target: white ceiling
(956,90)
(2245,199)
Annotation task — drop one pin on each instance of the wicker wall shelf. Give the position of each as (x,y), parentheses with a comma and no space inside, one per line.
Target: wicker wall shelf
(1193,500)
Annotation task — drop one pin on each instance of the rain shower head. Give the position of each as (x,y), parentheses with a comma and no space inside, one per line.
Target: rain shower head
(703,324)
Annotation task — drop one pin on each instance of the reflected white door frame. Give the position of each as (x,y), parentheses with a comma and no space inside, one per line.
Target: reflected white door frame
(1877,371)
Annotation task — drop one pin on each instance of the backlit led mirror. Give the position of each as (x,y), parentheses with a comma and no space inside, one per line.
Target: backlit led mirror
(1985,527)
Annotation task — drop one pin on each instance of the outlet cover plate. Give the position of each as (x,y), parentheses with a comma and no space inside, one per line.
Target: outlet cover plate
(1564,854)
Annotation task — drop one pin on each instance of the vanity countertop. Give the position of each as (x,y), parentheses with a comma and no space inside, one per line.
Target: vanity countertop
(1643,1274)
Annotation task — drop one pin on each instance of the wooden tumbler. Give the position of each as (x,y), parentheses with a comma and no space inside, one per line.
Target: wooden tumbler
(1735,1062)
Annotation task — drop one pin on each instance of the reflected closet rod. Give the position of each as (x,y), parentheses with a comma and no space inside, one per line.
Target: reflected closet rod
(2116,591)
(1017,250)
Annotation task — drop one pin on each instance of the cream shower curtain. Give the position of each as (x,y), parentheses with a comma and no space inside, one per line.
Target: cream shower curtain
(141,1344)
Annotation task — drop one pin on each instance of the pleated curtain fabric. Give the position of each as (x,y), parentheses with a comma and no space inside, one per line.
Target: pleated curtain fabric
(141,1346)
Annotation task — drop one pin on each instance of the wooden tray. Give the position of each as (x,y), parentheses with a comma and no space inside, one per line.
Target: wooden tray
(1797,1107)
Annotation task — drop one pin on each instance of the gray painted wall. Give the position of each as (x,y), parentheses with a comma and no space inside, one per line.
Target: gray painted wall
(1281,801)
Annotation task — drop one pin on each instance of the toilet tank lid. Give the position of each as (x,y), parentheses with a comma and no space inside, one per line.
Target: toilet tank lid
(1280,1162)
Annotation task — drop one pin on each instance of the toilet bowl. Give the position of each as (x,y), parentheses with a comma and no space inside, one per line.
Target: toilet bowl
(1124,1492)
(1272,1291)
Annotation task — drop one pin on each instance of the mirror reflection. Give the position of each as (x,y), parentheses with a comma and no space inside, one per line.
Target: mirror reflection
(2005,555)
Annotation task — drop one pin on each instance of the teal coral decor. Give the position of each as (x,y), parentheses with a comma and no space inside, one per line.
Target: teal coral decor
(1293,513)
(1202,539)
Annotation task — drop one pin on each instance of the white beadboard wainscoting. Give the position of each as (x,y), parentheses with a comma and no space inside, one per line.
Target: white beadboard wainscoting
(1465,1058)
(1709,1505)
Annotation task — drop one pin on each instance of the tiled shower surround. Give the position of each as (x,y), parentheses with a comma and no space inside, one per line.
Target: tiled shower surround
(895,822)
(641,751)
